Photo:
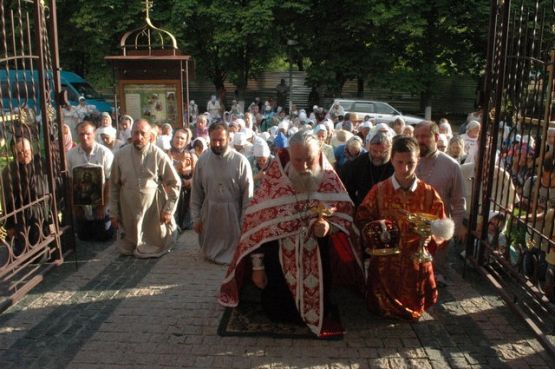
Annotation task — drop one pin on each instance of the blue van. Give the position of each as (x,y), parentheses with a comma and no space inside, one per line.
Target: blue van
(22,89)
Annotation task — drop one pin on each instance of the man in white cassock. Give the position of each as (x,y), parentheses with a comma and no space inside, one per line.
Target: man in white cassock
(221,191)
(145,189)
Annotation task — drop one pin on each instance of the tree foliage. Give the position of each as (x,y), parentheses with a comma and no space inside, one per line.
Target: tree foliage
(90,30)
(441,38)
(230,40)
(404,44)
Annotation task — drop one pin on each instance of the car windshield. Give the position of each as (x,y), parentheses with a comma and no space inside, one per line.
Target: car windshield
(346,105)
(86,90)
(71,95)
(363,107)
(382,108)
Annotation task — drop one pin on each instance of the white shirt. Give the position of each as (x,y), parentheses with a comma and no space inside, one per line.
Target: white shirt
(164,142)
(71,118)
(213,108)
(99,156)
(471,146)
(397,185)
(83,111)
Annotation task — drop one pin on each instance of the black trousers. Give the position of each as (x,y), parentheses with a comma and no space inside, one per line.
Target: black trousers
(276,299)
(183,212)
(94,230)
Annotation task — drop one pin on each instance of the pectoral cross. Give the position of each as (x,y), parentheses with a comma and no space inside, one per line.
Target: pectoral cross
(322,211)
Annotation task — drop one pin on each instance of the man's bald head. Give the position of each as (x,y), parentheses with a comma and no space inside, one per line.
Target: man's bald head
(141,133)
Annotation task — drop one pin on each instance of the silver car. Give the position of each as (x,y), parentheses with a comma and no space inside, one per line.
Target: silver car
(379,112)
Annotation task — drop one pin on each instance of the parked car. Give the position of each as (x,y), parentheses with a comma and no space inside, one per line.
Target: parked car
(379,112)
(24,86)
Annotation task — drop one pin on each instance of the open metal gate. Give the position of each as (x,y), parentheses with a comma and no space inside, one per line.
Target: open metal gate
(33,215)
(513,198)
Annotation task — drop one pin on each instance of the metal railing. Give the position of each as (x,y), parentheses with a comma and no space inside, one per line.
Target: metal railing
(513,200)
(33,216)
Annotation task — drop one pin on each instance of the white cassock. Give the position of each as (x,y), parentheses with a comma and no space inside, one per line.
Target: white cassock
(221,191)
(145,183)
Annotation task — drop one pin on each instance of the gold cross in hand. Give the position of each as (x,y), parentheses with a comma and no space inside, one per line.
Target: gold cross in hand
(322,211)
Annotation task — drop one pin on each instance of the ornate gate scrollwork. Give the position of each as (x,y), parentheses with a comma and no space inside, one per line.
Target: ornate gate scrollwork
(512,217)
(33,215)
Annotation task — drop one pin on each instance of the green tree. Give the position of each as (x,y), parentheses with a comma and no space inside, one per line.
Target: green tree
(90,30)
(400,44)
(431,39)
(229,40)
(335,38)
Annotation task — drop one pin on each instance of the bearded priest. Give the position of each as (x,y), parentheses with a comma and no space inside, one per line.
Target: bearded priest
(297,241)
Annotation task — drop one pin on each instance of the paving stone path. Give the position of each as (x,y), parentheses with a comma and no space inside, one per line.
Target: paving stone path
(120,312)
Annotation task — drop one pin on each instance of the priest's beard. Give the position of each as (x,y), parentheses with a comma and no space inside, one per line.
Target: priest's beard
(308,181)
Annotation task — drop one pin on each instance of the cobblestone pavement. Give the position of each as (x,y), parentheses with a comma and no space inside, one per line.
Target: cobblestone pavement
(120,312)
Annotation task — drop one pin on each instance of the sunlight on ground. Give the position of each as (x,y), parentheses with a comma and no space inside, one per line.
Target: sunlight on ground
(471,305)
(60,298)
(8,330)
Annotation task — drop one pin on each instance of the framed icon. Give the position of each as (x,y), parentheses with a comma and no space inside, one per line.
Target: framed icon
(88,185)
(155,101)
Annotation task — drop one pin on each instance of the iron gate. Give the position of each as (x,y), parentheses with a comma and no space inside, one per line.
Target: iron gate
(513,197)
(33,215)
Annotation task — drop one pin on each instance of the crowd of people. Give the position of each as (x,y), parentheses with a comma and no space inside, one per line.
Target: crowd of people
(526,181)
(297,203)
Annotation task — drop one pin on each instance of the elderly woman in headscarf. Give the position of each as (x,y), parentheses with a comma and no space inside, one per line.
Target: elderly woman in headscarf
(250,121)
(108,138)
(442,142)
(321,132)
(470,139)
(124,128)
(398,126)
(105,122)
(68,140)
(198,146)
(165,137)
(349,151)
(260,160)
(184,163)
(241,144)
(445,128)
(200,128)
(455,149)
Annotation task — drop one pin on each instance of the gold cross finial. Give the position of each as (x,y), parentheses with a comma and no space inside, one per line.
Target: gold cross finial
(148,6)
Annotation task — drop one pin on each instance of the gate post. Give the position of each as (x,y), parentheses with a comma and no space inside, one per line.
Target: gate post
(61,100)
(488,150)
(45,119)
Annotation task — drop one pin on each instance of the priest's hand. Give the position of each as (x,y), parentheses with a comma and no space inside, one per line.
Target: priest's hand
(258,176)
(320,228)
(115,222)
(259,278)
(197,227)
(166,217)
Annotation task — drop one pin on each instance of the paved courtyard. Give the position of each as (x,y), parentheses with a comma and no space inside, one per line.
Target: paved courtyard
(102,310)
